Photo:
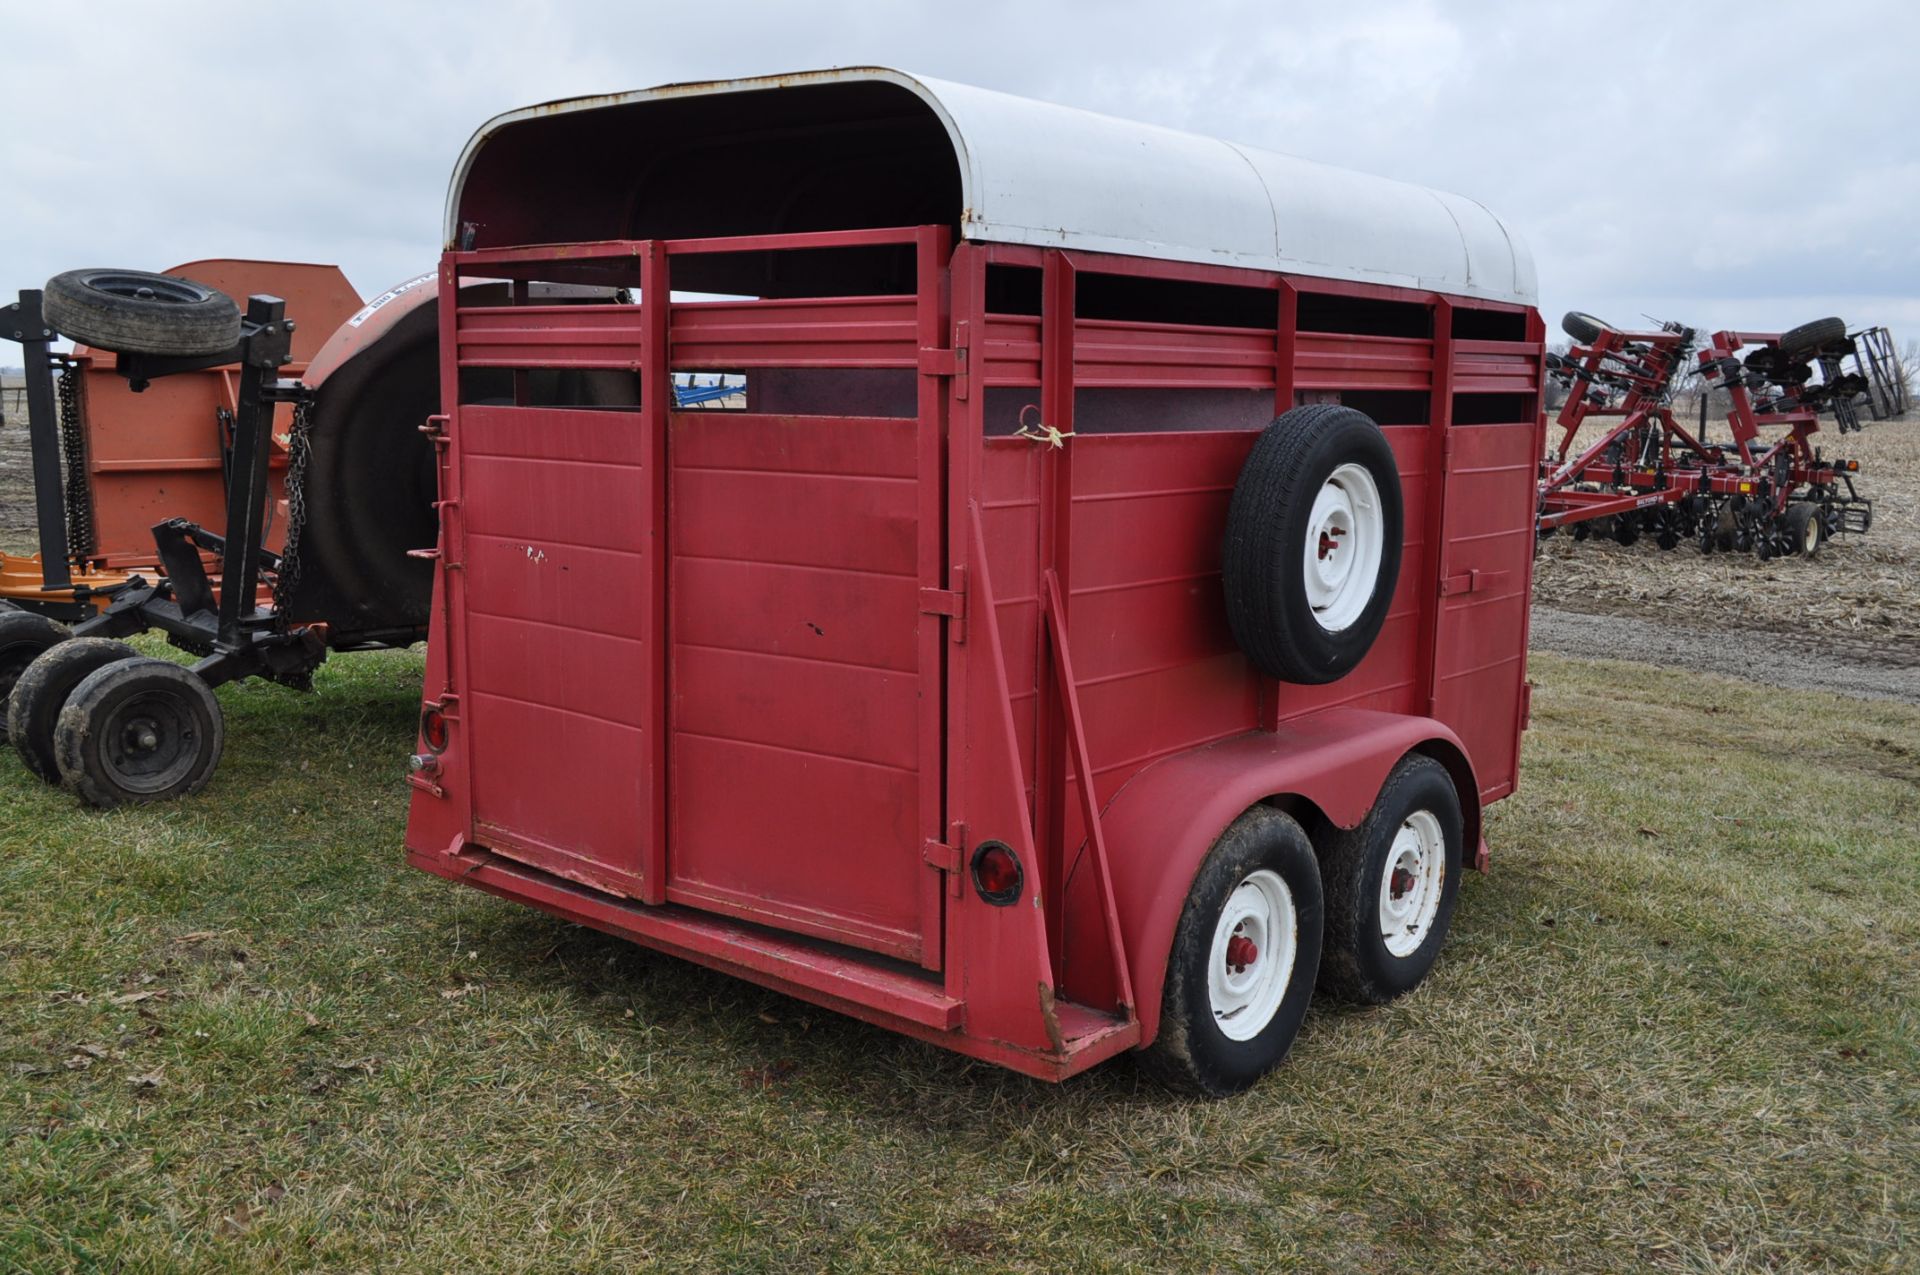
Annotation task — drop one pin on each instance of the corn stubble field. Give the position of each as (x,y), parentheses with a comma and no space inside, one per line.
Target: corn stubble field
(1677,1028)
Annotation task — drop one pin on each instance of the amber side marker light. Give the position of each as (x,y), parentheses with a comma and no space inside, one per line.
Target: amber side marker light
(996,873)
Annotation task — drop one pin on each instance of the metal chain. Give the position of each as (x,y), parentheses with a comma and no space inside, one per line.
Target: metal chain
(299,454)
(73,450)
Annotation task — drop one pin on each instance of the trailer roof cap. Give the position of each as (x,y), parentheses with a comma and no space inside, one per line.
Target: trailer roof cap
(870,146)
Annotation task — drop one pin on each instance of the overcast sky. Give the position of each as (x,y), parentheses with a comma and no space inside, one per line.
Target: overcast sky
(1753,164)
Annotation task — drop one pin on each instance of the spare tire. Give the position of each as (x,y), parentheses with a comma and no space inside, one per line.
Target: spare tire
(1808,337)
(1583,327)
(136,312)
(1313,543)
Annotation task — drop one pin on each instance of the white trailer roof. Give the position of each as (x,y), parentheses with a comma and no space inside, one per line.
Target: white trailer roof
(1038,173)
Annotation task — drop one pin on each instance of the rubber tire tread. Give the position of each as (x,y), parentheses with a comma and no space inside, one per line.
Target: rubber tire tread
(33,709)
(1355,964)
(74,743)
(130,325)
(1190,1054)
(1797,343)
(25,634)
(1261,558)
(1583,327)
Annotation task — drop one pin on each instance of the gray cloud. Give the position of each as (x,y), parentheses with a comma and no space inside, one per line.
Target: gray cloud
(1678,160)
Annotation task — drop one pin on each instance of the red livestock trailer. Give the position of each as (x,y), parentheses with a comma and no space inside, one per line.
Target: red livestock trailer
(1103,618)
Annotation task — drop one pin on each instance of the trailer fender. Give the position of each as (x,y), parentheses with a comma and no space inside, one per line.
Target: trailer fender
(1161,824)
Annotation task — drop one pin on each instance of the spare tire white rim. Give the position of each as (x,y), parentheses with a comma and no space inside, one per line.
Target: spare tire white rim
(1346,538)
(1251,961)
(1412,883)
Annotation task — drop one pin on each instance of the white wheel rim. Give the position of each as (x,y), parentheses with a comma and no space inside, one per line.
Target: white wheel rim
(1251,961)
(1346,535)
(1411,885)
(1810,538)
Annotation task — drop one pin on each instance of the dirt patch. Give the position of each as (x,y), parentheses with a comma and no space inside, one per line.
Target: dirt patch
(1751,655)
(1858,602)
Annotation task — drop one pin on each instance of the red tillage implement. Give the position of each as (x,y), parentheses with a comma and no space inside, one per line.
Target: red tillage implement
(1104,620)
(1648,473)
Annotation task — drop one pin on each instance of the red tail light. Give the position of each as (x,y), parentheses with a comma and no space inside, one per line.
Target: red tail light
(433,730)
(996,873)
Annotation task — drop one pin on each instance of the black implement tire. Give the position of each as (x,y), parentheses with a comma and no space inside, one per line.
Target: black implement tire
(134,312)
(1217,1037)
(23,636)
(1804,340)
(1303,456)
(1385,929)
(1583,327)
(1626,530)
(137,731)
(1804,530)
(33,710)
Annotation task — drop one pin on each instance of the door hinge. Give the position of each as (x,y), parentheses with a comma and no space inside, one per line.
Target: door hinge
(946,856)
(935,361)
(949,603)
(1470,582)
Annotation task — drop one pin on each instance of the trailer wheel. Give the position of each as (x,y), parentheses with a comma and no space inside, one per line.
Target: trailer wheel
(23,636)
(1244,959)
(1626,530)
(33,710)
(1799,342)
(1391,886)
(139,730)
(1804,532)
(1583,327)
(1312,548)
(134,312)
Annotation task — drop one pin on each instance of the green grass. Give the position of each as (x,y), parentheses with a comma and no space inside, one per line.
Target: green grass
(1675,1029)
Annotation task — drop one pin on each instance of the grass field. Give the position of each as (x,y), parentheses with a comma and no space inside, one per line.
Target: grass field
(1676,1029)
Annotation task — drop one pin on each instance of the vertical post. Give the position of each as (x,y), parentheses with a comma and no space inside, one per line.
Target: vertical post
(932,247)
(1439,427)
(247,491)
(1286,335)
(656,400)
(1057,287)
(26,324)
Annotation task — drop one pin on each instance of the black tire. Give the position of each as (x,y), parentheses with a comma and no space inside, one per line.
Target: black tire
(134,312)
(1626,530)
(24,635)
(1193,1052)
(33,710)
(1799,342)
(1583,327)
(140,730)
(1358,964)
(1268,525)
(1804,531)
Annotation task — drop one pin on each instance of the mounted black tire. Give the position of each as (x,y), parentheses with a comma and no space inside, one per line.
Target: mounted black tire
(1583,327)
(1391,885)
(1804,531)
(134,312)
(1244,958)
(1797,343)
(1313,544)
(33,709)
(1626,530)
(140,730)
(24,635)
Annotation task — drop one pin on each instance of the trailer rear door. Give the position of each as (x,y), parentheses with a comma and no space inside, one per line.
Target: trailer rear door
(805,681)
